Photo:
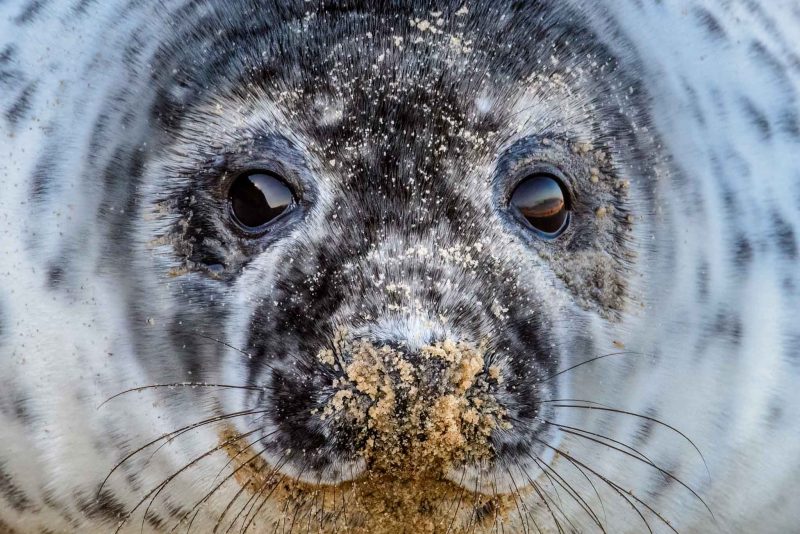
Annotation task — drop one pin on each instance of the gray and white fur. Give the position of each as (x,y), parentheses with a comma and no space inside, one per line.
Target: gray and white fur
(402,127)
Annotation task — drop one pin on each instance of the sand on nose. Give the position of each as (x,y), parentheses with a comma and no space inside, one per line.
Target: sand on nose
(416,422)
(418,416)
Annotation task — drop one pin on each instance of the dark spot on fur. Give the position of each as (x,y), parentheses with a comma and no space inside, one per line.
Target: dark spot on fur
(645,430)
(5,528)
(10,78)
(176,512)
(155,521)
(789,285)
(55,276)
(44,174)
(21,105)
(663,481)
(49,498)
(82,6)
(702,280)
(727,325)
(694,102)
(30,11)
(757,13)
(102,506)
(709,22)
(743,251)
(767,59)
(132,478)
(785,236)
(121,177)
(756,117)
(776,411)
(789,123)
(793,349)
(21,411)
(12,493)
(7,54)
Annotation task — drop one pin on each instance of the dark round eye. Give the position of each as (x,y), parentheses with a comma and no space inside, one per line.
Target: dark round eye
(541,200)
(257,198)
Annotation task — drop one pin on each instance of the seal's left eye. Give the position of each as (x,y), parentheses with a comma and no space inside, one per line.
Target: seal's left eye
(256,198)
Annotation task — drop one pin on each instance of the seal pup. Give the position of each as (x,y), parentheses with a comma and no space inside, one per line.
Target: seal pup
(499,266)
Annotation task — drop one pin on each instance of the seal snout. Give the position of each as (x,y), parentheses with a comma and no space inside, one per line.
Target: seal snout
(414,414)
(399,429)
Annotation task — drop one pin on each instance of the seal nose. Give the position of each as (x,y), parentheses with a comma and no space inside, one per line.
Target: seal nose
(428,410)
(418,358)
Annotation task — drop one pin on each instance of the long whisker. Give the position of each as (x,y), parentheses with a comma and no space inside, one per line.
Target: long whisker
(322,507)
(622,493)
(594,403)
(180,384)
(174,432)
(224,343)
(457,502)
(549,480)
(640,416)
(645,461)
(473,516)
(196,507)
(156,491)
(589,480)
(266,497)
(496,523)
(637,452)
(228,477)
(596,358)
(342,512)
(541,496)
(525,523)
(572,492)
(297,508)
(281,461)
(242,451)
(242,352)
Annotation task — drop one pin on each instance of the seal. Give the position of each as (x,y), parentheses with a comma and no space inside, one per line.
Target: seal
(399,266)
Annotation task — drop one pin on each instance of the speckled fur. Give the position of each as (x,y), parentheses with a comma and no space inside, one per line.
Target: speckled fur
(404,126)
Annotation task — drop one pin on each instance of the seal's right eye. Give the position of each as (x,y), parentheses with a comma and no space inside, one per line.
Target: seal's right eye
(540,200)
(256,198)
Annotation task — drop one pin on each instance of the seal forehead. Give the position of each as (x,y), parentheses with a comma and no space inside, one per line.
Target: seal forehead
(385,75)
(419,90)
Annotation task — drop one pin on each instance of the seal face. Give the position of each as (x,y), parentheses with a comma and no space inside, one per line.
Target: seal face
(395,267)
(406,229)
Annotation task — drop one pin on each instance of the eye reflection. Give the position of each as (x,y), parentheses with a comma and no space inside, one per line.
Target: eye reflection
(540,199)
(257,198)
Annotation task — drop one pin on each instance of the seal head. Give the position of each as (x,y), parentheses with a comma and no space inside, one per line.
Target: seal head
(416,160)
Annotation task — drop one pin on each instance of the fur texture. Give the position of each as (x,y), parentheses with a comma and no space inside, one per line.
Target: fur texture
(402,127)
